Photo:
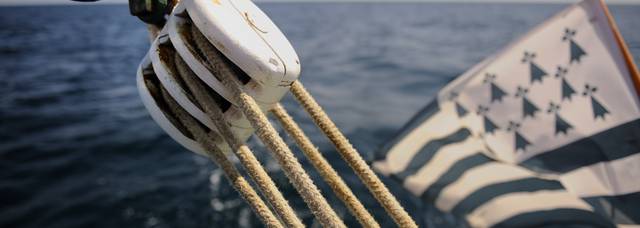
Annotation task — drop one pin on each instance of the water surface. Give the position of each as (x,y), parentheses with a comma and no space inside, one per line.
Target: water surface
(77,148)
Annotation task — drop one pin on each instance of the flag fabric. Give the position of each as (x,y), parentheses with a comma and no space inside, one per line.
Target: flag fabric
(546,131)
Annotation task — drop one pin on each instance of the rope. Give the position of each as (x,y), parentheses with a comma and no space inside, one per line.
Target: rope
(352,157)
(245,155)
(237,181)
(268,135)
(326,171)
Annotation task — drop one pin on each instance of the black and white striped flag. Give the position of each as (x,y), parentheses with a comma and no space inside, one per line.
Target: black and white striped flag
(546,131)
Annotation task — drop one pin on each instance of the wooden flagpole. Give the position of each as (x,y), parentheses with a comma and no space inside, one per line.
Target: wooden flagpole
(626,54)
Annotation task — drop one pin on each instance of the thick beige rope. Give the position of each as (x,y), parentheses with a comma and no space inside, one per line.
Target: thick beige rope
(352,157)
(326,171)
(269,136)
(252,165)
(235,178)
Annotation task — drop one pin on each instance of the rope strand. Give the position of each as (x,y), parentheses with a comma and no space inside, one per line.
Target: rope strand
(268,135)
(326,171)
(352,157)
(249,161)
(233,175)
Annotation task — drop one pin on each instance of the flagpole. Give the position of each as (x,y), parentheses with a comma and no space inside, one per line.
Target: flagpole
(628,58)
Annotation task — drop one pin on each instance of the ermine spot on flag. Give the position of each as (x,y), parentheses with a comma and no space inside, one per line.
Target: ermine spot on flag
(576,51)
(566,89)
(520,141)
(489,126)
(509,164)
(562,126)
(496,92)
(599,111)
(537,73)
(528,108)
(461,110)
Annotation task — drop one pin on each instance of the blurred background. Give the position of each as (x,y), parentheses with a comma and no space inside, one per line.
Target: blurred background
(78,149)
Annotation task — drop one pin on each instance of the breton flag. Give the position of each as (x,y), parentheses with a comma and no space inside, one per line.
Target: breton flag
(545,132)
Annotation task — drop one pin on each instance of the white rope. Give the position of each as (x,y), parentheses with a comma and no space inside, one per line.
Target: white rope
(254,169)
(268,135)
(352,157)
(235,178)
(324,168)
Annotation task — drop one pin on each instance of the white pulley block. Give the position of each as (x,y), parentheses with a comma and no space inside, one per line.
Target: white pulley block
(151,98)
(245,36)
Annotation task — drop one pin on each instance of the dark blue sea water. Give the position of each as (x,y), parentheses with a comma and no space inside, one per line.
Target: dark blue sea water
(77,148)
